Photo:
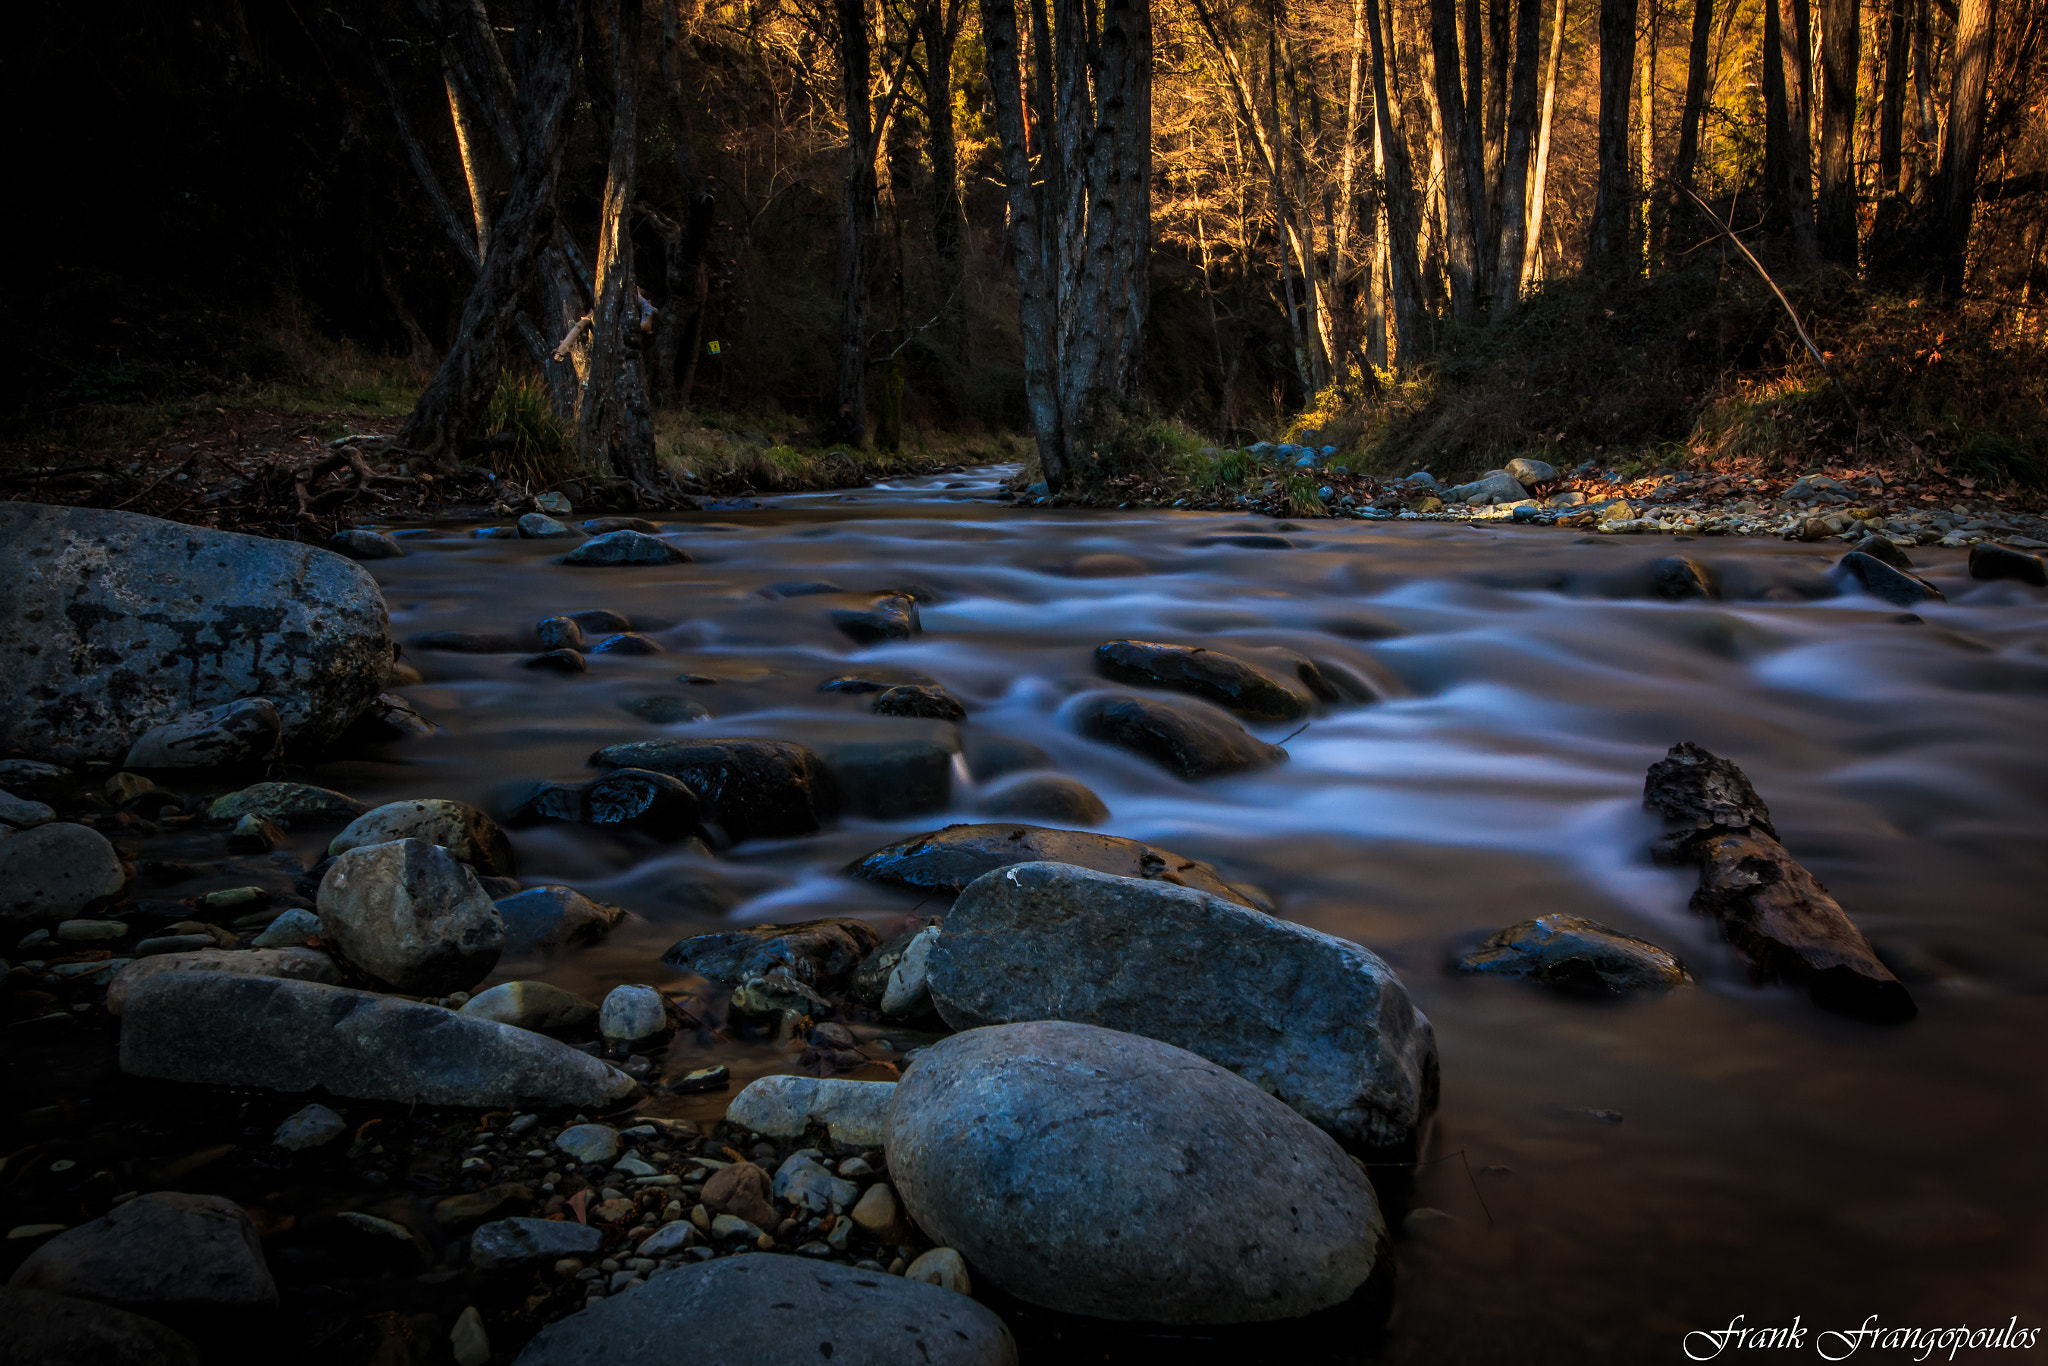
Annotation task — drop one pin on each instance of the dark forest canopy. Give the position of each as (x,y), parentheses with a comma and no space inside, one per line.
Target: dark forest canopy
(1241,210)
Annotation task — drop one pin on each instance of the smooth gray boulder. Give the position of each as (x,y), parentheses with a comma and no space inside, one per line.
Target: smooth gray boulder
(1314,1020)
(1524,470)
(113,623)
(1044,797)
(247,733)
(57,1330)
(23,814)
(220,1029)
(773,1310)
(545,919)
(361,543)
(411,916)
(512,1244)
(632,1013)
(1574,954)
(531,1005)
(1495,486)
(292,964)
(315,1126)
(1223,680)
(1189,742)
(165,1252)
(625,548)
(288,804)
(55,872)
(458,827)
(783,1106)
(1099,1173)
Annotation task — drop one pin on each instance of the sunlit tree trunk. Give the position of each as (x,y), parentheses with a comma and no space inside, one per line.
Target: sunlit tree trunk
(1841,56)
(1540,180)
(1613,230)
(1954,200)
(1456,148)
(1696,82)
(1404,234)
(1521,119)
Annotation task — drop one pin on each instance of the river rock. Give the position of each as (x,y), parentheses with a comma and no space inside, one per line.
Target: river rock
(1574,954)
(870,981)
(927,700)
(1530,473)
(908,991)
(514,1244)
(360,543)
(1314,1020)
(850,1111)
(1221,679)
(160,1253)
(1185,742)
(773,1310)
(1495,486)
(292,805)
(754,789)
(114,623)
(819,953)
(1202,1199)
(391,717)
(589,1143)
(1046,797)
(292,928)
(741,1191)
(890,779)
(664,710)
(881,1214)
(558,661)
(241,734)
(315,1126)
(941,1266)
(951,858)
(1857,572)
(54,872)
(292,964)
(1680,578)
(639,799)
(624,548)
(801,1182)
(632,1013)
(548,919)
(1988,561)
(23,814)
(559,633)
(412,917)
(628,643)
(1775,912)
(599,526)
(538,526)
(219,1029)
(57,1330)
(1886,549)
(537,1006)
(887,616)
(458,827)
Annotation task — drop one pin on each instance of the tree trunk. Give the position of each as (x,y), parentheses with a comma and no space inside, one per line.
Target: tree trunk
(1646,165)
(1514,178)
(1609,246)
(849,420)
(679,326)
(1841,56)
(454,399)
(1404,234)
(1452,144)
(1795,188)
(613,429)
(940,28)
(1955,187)
(1891,122)
(1500,39)
(1695,93)
(1540,180)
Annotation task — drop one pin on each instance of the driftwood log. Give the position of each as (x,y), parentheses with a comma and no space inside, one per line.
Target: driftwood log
(1769,906)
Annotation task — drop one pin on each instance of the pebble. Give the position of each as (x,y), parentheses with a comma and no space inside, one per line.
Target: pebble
(375,1226)
(670,1239)
(732,1226)
(89,931)
(632,1013)
(468,1340)
(296,926)
(510,1244)
(589,1143)
(879,1212)
(941,1266)
(315,1126)
(802,1182)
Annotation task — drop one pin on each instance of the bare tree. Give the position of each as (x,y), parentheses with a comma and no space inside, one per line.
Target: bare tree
(1696,83)
(1540,179)
(1609,249)
(1521,120)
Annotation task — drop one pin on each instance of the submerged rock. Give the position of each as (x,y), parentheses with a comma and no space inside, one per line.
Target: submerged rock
(890,779)
(754,789)
(391,717)
(1222,679)
(360,543)
(1988,561)
(458,827)
(218,1029)
(1857,572)
(1046,797)
(951,858)
(1317,1021)
(1770,907)
(888,616)
(412,917)
(1187,743)
(241,734)
(54,872)
(114,623)
(1678,578)
(161,1253)
(550,918)
(1885,549)
(1203,1200)
(818,953)
(774,1310)
(624,548)
(926,700)
(855,1112)
(1574,954)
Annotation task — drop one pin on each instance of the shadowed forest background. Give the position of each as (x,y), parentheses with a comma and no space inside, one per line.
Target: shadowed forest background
(1437,232)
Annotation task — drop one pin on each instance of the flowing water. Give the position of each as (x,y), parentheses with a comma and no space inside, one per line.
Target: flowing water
(1604,1177)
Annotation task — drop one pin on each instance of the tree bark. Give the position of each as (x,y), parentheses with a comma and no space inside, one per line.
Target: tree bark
(1795,188)
(1609,249)
(939,26)
(1954,200)
(613,428)
(1891,118)
(1695,93)
(849,420)
(1454,143)
(1514,178)
(1404,233)
(1540,180)
(454,399)
(1841,56)
(679,327)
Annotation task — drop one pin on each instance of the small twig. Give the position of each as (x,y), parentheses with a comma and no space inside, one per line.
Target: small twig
(1297,730)
(1445,1157)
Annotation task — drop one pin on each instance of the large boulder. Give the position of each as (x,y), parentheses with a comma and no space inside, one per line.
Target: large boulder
(1225,680)
(1495,486)
(1201,1199)
(411,916)
(296,964)
(458,827)
(1316,1021)
(160,1253)
(113,623)
(949,859)
(755,789)
(1185,741)
(216,1029)
(57,1330)
(247,733)
(772,1310)
(54,872)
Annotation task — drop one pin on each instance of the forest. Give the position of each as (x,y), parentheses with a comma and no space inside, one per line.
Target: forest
(1451,231)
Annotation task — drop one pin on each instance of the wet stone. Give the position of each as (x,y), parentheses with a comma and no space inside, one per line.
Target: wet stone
(1185,742)
(633,1013)
(514,1244)
(819,953)
(852,1112)
(628,643)
(1857,572)
(550,918)
(1046,797)
(752,788)
(538,526)
(888,616)
(559,633)
(1574,954)
(240,734)
(292,805)
(1214,677)
(951,858)
(538,1006)
(927,700)
(623,549)
(458,827)
(411,916)
(557,661)
(362,544)
(1989,561)
(889,779)
(666,711)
